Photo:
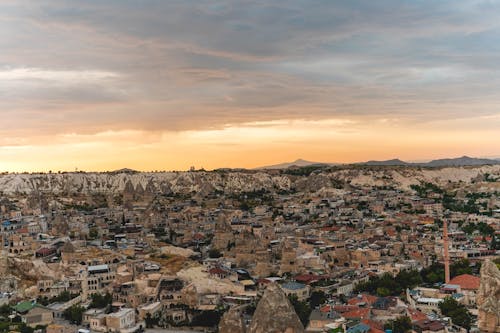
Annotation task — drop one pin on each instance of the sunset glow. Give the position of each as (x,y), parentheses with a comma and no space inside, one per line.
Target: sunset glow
(164,85)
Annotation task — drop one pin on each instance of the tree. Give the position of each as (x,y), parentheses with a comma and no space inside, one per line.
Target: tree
(383,292)
(456,311)
(399,325)
(5,310)
(435,272)
(150,321)
(100,301)
(460,267)
(74,314)
(317,298)
(23,328)
(494,245)
(302,309)
(214,253)
(210,318)
(387,285)
(93,233)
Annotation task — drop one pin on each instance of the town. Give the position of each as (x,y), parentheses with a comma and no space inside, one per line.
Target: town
(355,249)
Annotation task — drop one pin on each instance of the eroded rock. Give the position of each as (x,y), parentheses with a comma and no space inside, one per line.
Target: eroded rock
(488,298)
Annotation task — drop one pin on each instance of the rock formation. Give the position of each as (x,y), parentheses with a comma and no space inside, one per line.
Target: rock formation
(488,298)
(232,321)
(230,181)
(275,314)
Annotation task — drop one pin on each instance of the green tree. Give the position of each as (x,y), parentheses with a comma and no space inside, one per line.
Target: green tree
(150,321)
(5,310)
(214,253)
(456,311)
(383,292)
(209,318)
(399,325)
(100,301)
(460,267)
(494,245)
(318,297)
(387,285)
(93,233)
(302,309)
(74,314)
(23,328)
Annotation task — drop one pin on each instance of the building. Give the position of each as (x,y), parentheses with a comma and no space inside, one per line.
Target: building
(469,285)
(122,321)
(299,290)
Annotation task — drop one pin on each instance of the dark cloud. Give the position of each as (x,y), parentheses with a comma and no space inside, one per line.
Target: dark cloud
(187,65)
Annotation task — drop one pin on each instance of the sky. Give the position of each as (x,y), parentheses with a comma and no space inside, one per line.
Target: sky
(165,85)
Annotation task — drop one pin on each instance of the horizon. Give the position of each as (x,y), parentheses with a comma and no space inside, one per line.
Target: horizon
(260,167)
(102,85)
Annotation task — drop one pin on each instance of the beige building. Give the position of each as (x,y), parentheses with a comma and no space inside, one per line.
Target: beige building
(58,328)
(38,315)
(121,321)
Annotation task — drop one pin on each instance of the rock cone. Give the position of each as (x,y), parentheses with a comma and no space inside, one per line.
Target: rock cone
(275,314)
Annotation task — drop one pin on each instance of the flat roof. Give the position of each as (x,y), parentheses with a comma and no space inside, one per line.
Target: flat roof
(98,268)
(429,300)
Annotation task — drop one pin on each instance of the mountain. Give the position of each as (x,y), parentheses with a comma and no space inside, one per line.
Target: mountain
(444,162)
(460,161)
(296,163)
(393,162)
(124,170)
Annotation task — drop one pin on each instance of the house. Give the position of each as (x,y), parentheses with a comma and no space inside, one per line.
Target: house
(320,318)
(301,291)
(362,299)
(60,328)
(96,278)
(219,272)
(358,313)
(153,310)
(38,316)
(429,326)
(469,285)
(344,288)
(121,321)
(359,328)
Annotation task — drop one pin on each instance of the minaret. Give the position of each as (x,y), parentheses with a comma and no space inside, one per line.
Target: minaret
(445,253)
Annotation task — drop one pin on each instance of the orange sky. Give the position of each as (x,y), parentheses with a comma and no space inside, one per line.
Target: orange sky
(162,85)
(245,145)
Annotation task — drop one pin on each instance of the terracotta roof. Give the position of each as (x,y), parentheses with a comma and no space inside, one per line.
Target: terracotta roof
(429,325)
(308,278)
(217,270)
(360,313)
(374,325)
(326,308)
(344,308)
(466,281)
(368,299)
(198,236)
(416,315)
(375,330)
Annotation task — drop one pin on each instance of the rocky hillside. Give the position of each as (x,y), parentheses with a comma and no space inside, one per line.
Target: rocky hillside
(243,181)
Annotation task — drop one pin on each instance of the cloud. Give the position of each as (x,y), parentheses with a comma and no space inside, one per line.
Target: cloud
(58,76)
(91,66)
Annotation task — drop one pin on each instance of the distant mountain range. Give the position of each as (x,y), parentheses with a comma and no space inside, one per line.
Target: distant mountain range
(296,163)
(459,161)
